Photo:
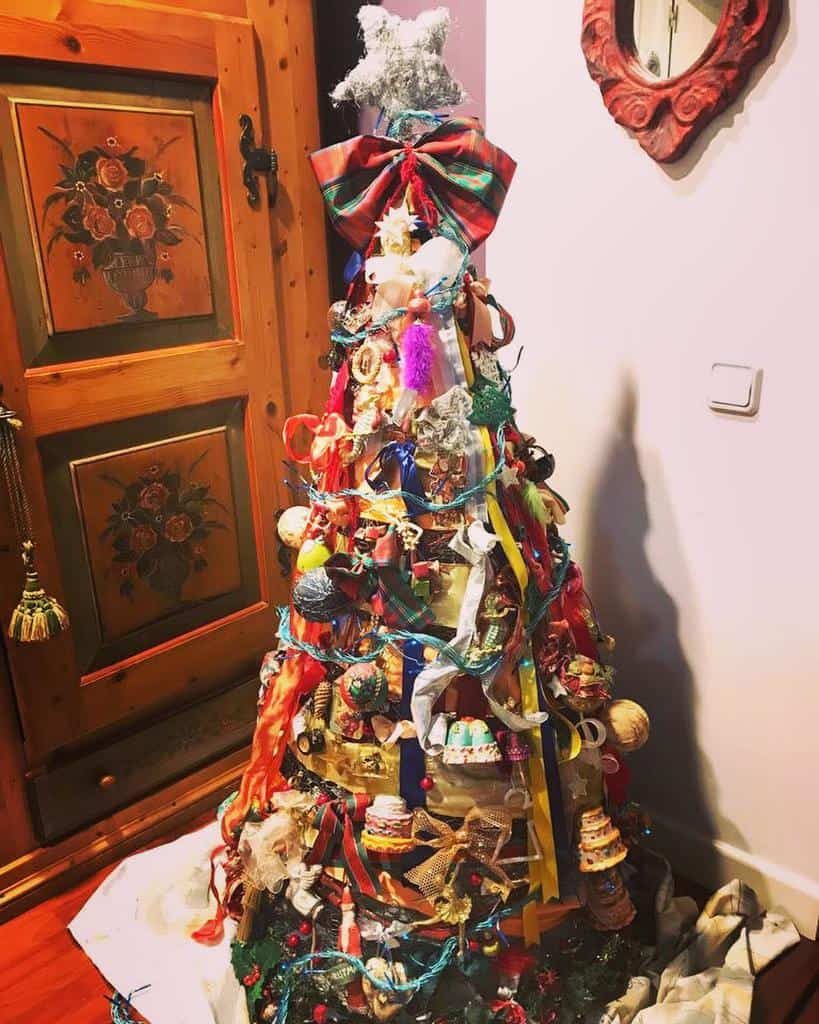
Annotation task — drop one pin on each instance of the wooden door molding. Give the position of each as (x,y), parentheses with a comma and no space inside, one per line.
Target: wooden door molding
(666,115)
(222,54)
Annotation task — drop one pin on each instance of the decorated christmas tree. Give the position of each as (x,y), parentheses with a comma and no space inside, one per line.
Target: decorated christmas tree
(437,782)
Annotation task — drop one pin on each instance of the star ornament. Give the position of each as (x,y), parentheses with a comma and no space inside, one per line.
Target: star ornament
(403,67)
(508,476)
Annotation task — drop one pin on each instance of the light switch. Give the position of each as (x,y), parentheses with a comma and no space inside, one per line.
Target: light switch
(735,389)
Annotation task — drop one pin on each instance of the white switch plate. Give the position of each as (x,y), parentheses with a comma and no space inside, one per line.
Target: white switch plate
(735,389)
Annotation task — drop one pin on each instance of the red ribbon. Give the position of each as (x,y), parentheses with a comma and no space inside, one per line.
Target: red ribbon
(324,454)
(300,675)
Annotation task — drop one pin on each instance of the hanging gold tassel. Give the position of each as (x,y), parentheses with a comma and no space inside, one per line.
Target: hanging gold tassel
(37,615)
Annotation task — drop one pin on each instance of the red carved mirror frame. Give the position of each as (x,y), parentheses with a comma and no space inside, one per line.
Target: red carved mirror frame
(666,115)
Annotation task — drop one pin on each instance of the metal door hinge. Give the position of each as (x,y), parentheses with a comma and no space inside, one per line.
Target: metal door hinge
(257,161)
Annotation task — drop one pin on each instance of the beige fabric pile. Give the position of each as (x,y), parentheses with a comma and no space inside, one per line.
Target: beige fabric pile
(711,960)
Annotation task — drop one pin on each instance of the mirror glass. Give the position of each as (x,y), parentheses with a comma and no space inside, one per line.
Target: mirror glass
(669,35)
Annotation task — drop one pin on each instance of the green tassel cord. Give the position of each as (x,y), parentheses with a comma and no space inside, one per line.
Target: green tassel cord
(37,616)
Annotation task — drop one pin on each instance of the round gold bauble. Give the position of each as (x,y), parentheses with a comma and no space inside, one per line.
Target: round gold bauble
(627,724)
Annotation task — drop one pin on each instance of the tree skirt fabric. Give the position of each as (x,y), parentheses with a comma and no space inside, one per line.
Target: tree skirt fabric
(136,929)
(704,974)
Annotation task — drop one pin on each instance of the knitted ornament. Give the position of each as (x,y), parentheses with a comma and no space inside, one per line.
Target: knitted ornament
(402,68)
(491,406)
(318,596)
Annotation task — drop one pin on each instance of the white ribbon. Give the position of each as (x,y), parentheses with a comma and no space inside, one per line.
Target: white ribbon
(388,733)
(474,543)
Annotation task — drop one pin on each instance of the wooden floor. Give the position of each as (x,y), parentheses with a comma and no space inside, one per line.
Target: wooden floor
(45,978)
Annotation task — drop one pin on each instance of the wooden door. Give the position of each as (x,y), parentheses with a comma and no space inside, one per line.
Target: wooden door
(139,344)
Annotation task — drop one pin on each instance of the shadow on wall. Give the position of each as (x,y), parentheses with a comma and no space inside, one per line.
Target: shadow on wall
(671,774)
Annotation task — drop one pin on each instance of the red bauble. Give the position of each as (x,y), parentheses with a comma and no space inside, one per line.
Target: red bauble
(476,880)
(427,783)
(293,940)
(419,305)
(306,928)
(320,1013)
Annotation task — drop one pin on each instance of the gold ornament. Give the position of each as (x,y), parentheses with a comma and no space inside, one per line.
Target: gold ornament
(384,1003)
(484,833)
(627,724)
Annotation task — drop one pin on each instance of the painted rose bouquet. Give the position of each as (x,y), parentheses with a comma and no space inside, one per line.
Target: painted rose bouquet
(115,204)
(159,527)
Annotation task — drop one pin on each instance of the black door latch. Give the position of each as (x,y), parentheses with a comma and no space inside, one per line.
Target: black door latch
(257,161)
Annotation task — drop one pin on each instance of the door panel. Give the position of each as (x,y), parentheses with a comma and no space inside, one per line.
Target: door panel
(113,204)
(142,354)
(153,527)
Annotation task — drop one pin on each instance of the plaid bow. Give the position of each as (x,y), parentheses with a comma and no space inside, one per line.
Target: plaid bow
(453,175)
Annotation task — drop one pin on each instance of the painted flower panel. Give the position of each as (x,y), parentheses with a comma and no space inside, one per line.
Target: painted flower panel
(116,203)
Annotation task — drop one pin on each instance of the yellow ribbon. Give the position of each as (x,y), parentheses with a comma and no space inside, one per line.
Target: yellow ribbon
(543,871)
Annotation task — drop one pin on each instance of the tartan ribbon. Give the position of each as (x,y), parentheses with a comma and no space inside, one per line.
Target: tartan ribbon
(396,603)
(336,840)
(453,174)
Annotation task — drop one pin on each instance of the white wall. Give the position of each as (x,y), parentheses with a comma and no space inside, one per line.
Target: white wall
(698,532)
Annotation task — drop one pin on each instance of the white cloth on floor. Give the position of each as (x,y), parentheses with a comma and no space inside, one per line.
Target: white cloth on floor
(137,926)
(710,980)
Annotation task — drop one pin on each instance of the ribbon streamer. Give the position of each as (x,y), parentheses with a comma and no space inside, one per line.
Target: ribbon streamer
(402,454)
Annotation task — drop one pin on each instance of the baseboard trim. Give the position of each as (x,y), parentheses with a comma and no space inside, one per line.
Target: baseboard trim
(712,862)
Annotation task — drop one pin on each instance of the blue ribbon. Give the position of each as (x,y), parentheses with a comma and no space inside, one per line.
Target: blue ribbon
(412,767)
(403,453)
(563,851)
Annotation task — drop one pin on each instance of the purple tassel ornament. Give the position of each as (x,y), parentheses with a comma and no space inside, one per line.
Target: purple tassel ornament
(416,357)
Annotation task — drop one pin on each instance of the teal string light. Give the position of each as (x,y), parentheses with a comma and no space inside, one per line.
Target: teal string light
(449,950)
(379,642)
(395,129)
(121,1006)
(541,607)
(290,968)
